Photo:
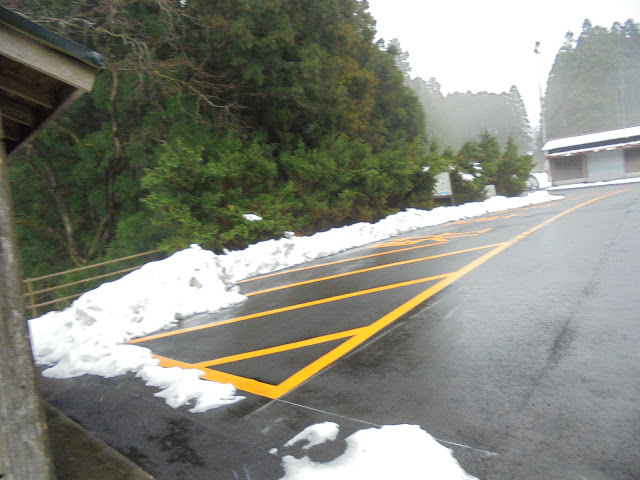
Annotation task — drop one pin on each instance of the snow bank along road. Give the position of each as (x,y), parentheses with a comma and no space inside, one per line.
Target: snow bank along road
(501,366)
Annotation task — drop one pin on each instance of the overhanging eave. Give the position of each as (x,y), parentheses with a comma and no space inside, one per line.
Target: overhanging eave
(40,74)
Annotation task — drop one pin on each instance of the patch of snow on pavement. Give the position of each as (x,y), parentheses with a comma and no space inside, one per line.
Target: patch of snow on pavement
(90,336)
(182,386)
(316,435)
(392,451)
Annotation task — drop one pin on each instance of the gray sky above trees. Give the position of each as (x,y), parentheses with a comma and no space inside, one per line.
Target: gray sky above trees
(488,46)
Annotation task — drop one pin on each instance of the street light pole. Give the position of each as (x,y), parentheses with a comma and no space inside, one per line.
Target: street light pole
(536,50)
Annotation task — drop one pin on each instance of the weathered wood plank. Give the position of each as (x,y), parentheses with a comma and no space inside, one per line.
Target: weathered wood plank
(26,83)
(20,48)
(17,112)
(24,445)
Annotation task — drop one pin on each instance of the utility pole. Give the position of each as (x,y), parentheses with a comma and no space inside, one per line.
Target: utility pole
(543,118)
(25,452)
(536,50)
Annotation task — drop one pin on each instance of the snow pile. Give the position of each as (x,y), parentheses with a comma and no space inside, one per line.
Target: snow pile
(88,337)
(392,451)
(271,255)
(543,179)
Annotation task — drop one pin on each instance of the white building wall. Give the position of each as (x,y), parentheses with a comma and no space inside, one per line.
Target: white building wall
(605,165)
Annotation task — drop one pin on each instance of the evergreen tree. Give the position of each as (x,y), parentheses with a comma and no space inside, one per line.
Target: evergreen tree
(401,58)
(512,171)
(458,117)
(594,82)
(481,163)
(214,109)
(520,132)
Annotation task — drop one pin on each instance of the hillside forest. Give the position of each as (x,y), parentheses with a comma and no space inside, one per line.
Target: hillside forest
(594,83)
(209,110)
(455,118)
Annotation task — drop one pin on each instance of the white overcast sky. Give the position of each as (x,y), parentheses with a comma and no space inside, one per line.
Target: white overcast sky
(474,45)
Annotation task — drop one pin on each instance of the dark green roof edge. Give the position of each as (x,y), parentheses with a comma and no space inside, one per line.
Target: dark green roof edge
(51,39)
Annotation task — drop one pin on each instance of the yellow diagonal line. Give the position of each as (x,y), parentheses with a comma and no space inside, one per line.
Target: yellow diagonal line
(288,308)
(438,239)
(367,332)
(370,269)
(170,362)
(352,259)
(484,219)
(364,333)
(242,383)
(279,348)
(321,363)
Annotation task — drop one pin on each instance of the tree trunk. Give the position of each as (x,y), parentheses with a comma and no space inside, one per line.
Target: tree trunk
(24,444)
(48,178)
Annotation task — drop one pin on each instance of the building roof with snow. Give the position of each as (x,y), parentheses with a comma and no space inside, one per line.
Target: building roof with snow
(593,142)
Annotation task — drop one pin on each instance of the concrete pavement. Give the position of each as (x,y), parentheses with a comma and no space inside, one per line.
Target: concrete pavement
(80,455)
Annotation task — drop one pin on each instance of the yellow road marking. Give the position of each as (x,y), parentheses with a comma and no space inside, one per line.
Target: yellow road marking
(502,217)
(288,308)
(170,362)
(543,205)
(321,363)
(578,197)
(364,333)
(483,219)
(242,383)
(311,267)
(438,239)
(370,269)
(280,348)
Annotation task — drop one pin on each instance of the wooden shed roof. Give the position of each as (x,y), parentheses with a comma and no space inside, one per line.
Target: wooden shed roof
(40,73)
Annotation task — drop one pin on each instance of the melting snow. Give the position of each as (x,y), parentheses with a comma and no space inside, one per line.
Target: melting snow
(315,435)
(392,451)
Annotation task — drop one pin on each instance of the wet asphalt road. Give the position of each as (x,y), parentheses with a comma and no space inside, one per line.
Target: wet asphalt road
(511,338)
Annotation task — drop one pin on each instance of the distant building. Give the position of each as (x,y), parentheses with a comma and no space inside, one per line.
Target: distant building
(601,156)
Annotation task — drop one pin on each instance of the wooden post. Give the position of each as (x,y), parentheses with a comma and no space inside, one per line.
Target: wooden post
(25,452)
(32,298)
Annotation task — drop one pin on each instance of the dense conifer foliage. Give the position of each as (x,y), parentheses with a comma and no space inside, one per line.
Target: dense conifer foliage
(212,109)
(483,162)
(594,84)
(455,118)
